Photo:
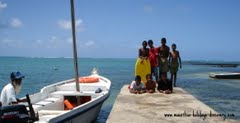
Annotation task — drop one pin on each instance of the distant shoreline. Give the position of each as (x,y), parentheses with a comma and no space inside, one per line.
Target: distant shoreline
(218,64)
(187,61)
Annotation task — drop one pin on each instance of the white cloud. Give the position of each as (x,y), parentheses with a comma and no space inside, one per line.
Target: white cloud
(57,43)
(2,5)
(6,43)
(69,40)
(15,22)
(53,42)
(64,24)
(79,25)
(53,38)
(12,43)
(12,23)
(89,43)
(147,9)
(39,42)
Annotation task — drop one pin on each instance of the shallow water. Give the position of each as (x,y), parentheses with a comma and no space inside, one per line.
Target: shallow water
(221,95)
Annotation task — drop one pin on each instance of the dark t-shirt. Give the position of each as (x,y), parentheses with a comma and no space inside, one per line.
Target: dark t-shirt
(165,85)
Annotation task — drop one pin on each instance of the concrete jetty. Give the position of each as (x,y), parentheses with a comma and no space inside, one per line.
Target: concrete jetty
(180,107)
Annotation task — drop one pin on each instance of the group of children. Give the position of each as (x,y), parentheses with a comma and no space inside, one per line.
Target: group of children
(161,61)
(163,86)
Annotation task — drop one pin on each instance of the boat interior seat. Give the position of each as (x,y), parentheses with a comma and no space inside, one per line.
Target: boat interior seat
(49,104)
(37,96)
(51,112)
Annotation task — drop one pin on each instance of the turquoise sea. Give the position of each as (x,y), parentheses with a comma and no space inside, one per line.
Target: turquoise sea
(221,95)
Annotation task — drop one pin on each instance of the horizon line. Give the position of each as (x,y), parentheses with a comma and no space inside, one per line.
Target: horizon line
(110,58)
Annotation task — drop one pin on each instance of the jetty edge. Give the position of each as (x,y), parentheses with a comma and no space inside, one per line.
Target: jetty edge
(180,106)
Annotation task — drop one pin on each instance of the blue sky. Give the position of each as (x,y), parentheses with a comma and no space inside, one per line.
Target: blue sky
(202,29)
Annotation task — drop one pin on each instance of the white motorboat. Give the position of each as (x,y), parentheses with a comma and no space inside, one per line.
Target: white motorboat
(50,102)
(57,103)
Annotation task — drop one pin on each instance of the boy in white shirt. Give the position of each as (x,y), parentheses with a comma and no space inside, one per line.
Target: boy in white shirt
(137,87)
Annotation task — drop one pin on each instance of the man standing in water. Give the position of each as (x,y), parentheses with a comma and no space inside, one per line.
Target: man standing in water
(8,94)
(174,61)
(163,57)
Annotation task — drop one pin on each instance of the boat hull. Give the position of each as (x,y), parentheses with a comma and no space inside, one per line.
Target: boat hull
(225,75)
(86,114)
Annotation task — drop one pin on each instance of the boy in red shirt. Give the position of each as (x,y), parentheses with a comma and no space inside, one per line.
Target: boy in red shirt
(153,55)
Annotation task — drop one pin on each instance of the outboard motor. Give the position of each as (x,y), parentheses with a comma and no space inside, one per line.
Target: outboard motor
(18,113)
(14,114)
